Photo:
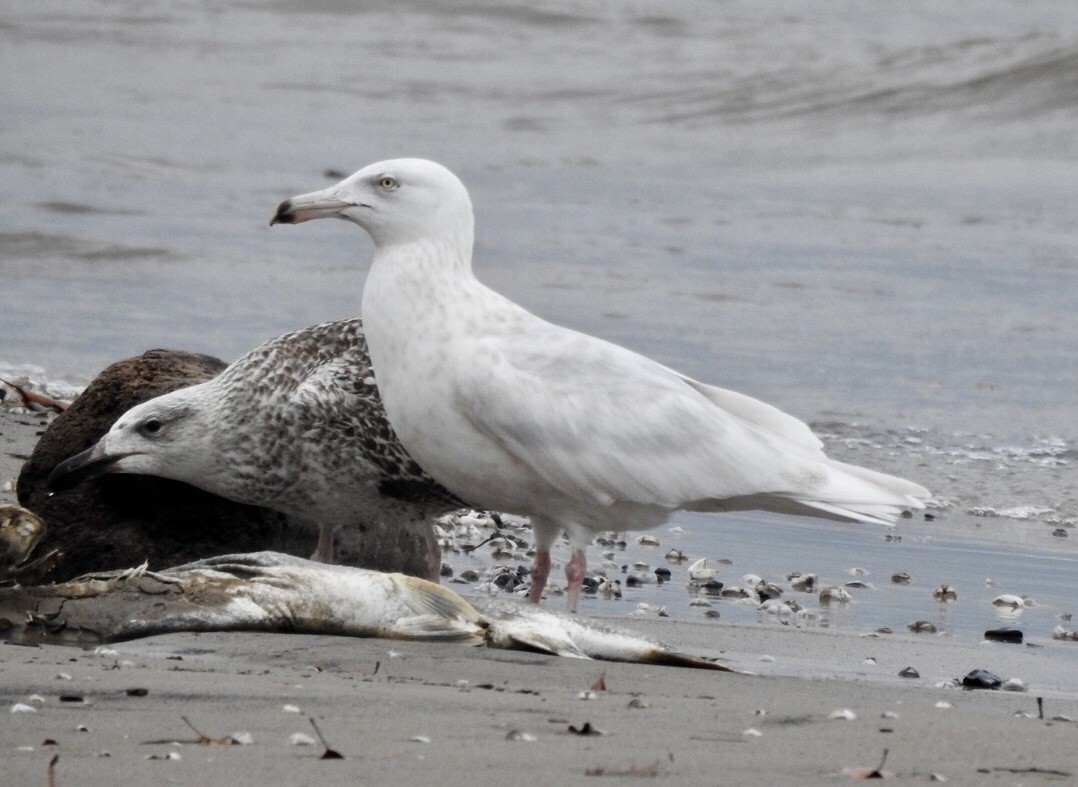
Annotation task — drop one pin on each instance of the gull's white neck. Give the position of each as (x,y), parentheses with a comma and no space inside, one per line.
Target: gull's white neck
(413,296)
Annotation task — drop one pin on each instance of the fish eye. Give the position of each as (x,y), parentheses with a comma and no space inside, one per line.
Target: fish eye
(152,426)
(387,183)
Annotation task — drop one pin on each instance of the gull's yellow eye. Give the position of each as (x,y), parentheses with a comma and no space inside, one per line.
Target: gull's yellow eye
(387,183)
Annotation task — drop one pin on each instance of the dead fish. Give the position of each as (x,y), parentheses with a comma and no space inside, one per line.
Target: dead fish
(268,591)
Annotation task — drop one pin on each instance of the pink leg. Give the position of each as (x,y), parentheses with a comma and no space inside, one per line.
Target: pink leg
(540,573)
(323,553)
(574,573)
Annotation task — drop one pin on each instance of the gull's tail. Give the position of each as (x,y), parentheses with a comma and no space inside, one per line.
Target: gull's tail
(847,493)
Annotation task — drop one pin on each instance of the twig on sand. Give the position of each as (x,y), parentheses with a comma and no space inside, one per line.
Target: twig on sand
(328,754)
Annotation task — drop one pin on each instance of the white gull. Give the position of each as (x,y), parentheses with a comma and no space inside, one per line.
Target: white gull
(513,413)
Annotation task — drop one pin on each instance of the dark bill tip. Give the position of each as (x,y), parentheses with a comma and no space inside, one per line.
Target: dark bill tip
(71,472)
(284,214)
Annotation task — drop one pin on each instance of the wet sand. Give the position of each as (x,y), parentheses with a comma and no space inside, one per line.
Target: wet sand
(421,713)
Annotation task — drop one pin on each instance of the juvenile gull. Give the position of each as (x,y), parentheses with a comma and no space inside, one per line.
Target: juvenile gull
(295,425)
(509,411)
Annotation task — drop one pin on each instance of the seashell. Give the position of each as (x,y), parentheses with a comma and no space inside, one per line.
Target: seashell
(832,594)
(842,714)
(1009,600)
(857,584)
(805,583)
(638,704)
(768,590)
(677,530)
(1013,684)
(944,705)
(901,578)
(520,736)
(922,627)
(734,592)
(752,580)
(1059,632)
(647,541)
(945,593)
(610,588)
(908,672)
(857,572)
(752,732)
(700,572)
(675,556)
(774,606)
(712,613)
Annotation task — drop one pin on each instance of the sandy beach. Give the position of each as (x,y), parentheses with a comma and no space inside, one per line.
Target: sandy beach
(421,713)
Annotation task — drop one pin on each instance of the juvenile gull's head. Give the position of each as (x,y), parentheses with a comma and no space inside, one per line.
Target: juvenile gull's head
(165,436)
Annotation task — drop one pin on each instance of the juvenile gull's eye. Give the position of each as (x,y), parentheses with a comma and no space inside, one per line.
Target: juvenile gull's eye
(387,183)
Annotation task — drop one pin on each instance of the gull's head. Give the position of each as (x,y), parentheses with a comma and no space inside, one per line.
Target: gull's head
(164,437)
(396,201)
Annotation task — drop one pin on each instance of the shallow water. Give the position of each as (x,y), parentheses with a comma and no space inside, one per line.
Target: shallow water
(861,214)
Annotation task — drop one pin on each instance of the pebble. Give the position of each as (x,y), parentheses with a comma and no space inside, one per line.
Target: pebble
(981,679)
(1004,635)
(923,627)
(908,672)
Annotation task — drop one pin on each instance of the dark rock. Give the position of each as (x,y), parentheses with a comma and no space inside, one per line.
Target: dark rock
(981,679)
(1004,635)
(119,521)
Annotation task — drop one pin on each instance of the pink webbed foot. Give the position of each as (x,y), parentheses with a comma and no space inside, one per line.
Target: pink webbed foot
(540,574)
(574,573)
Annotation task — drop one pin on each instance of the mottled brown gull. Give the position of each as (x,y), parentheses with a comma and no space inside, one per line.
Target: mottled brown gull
(511,412)
(295,425)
